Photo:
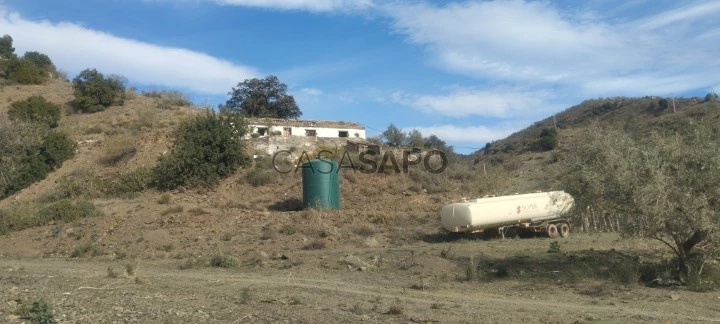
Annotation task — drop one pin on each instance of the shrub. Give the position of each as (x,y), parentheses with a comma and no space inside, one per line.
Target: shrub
(94,92)
(169,98)
(26,216)
(222,261)
(40,60)
(32,153)
(39,312)
(129,183)
(547,141)
(35,109)
(206,149)
(24,71)
(259,177)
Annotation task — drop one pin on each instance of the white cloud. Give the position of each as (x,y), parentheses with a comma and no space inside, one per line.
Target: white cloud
(307,5)
(73,48)
(463,102)
(534,43)
(706,10)
(311,91)
(475,136)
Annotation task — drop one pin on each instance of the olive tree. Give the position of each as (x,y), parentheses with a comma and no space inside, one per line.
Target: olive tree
(658,186)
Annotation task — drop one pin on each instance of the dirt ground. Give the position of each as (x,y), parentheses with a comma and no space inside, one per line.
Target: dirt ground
(423,282)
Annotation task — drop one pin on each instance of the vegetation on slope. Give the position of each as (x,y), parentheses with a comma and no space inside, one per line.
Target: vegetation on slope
(207,148)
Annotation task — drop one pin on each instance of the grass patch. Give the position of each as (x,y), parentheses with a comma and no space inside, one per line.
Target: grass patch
(85,249)
(197,211)
(315,245)
(21,217)
(571,267)
(164,199)
(172,210)
(118,152)
(258,177)
(223,261)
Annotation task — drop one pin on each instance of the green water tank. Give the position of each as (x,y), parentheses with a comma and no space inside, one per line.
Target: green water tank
(321,184)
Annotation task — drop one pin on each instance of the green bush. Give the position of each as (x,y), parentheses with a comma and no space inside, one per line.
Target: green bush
(31,154)
(206,149)
(40,312)
(25,72)
(548,140)
(40,60)
(35,109)
(132,182)
(94,92)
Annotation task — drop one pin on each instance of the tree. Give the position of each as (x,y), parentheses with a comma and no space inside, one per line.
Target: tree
(6,49)
(35,109)
(393,136)
(660,186)
(711,96)
(265,98)
(414,139)
(433,142)
(93,92)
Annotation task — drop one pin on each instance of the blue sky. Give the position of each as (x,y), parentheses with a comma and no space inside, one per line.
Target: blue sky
(469,72)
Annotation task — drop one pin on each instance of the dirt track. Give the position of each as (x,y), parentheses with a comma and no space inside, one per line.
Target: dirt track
(82,292)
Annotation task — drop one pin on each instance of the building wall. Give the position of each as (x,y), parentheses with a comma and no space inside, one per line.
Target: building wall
(324,132)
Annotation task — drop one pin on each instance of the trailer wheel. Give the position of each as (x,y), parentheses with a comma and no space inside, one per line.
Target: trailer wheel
(563,229)
(552,230)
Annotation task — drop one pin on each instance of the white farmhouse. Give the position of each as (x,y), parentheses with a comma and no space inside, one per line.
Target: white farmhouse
(261,127)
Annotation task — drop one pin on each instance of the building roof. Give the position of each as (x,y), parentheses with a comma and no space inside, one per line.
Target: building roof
(303,123)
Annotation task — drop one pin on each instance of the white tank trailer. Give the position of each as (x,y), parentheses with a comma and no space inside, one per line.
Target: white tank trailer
(510,216)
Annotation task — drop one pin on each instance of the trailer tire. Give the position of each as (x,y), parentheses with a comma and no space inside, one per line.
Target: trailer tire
(552,230)
(563,230)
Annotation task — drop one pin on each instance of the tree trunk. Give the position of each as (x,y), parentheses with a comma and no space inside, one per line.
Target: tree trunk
(684,251)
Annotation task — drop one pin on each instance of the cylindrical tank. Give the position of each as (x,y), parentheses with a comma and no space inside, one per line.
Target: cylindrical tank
(491,212)
(321,184)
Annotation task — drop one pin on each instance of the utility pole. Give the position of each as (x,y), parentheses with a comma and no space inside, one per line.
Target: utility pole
(555,123)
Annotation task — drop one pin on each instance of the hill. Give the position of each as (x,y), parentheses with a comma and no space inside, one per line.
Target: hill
(535,168)
(381,257)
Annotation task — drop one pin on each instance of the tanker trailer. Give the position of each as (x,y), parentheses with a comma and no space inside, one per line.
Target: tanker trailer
(512,215)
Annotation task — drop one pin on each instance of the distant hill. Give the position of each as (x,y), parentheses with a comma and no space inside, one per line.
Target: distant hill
(535,168)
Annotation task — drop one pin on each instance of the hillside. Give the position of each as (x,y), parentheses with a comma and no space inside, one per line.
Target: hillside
(142,128)
(530,168)
(246,249)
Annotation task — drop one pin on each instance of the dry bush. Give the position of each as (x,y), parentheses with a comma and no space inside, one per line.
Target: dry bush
(146,116)
(317,244)
(165,199)
(118,150)
(172,210)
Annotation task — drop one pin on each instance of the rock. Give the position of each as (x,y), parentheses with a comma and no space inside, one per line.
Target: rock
(675,296)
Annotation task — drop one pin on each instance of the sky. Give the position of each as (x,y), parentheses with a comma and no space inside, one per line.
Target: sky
(469,72)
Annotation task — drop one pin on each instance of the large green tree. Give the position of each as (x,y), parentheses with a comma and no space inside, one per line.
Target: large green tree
(659,186)
(266,98)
